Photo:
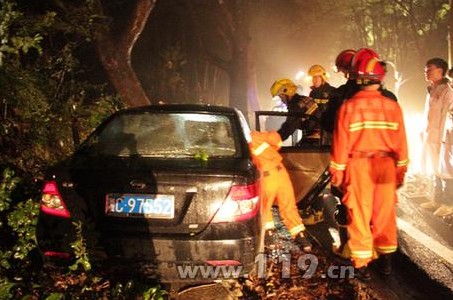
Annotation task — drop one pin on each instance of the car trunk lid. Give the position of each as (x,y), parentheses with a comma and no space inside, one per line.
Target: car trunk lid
(193,195)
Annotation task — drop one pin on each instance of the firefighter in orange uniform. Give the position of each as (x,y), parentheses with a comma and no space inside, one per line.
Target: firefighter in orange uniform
(276,186)
(368,162)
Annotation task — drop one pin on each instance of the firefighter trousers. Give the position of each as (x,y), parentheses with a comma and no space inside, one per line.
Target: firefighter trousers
(370,198)
(277,188)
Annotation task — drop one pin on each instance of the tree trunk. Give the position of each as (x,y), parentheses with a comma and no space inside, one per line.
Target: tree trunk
(121,75)
(252,87)
(241,69)
(234,27)
(114,50)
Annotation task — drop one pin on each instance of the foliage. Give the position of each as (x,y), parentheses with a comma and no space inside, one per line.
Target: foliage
(6,288)
(80,250)
(154,293)
(47,93)
(18,235)
(172,84)
(22,219)
(22,276)
(7,185)
(20,41)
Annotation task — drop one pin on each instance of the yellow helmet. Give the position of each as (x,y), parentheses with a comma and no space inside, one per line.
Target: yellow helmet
(317,70)
(283,86)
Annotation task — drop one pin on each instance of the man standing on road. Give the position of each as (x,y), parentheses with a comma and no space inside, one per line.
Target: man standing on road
(437,137)
(368,162)
(343,64)
(343,92)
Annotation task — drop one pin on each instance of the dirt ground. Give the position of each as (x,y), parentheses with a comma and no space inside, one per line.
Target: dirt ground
(292,274)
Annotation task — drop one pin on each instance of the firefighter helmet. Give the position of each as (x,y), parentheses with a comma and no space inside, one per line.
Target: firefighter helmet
(283,86)
(318,70)
(343,60)
(367,67)
(360,55)
(369,70)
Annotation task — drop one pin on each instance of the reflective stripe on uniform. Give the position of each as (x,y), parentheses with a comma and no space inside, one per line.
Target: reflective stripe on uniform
(311,109)
(297,229)
(321,101)
(386,249)
(338,167)
(260,149)
(362,254)
(373,125)
(402,163)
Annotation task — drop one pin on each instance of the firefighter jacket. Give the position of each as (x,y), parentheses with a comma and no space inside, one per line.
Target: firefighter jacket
(308,122)
(368,122)
(275,184)
(337,98)
(322,95)
(437,128)
(264,147)
(342,93)
(292,123)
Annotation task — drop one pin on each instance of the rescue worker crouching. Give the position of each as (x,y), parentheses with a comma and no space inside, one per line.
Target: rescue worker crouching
(276,186)
(368,162)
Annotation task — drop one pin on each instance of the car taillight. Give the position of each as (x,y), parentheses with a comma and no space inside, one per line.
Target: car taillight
(52,202)
(241,204)
(54,254)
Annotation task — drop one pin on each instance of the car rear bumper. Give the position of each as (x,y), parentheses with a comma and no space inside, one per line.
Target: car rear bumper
(220,251)
(186,260)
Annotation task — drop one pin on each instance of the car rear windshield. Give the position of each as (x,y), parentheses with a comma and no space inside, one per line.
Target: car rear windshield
(169,135)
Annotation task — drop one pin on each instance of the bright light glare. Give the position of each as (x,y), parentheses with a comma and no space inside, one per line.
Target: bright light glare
(300,75)
(226,212)
(413,129)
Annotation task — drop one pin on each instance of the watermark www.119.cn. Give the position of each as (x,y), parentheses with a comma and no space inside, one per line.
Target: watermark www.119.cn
(307,263)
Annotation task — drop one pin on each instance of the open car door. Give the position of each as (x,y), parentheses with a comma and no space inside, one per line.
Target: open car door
(307,162)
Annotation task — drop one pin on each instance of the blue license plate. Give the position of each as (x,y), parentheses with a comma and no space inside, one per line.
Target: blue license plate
(146,206)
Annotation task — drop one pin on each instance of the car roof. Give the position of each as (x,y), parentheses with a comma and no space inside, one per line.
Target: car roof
(181,108)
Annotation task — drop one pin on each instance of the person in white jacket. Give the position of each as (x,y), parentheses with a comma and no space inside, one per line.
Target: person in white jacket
(437,137)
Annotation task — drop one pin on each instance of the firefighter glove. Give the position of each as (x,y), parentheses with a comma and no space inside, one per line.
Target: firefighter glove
(337,179)
(400,173)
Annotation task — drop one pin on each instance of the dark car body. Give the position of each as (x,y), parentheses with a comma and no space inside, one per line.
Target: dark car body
(155,188)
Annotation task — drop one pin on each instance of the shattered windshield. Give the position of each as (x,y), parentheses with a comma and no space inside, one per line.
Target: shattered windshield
(166,135)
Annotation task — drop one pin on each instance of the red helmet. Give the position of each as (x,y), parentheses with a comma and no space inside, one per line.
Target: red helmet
(344,59)
(367,67)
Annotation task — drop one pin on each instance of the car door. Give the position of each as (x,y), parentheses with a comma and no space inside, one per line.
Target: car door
(307,163)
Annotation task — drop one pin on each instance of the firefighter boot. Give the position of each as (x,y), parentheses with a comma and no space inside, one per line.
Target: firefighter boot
(362,273)
(342,250)
(303,242)
(385,264)
(341,216)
